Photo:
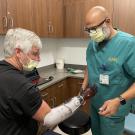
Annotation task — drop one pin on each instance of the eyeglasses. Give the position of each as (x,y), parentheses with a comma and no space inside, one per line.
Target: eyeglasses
(89,30)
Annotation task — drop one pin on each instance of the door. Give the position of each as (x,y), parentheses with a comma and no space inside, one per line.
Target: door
(48,17)
(55,94)
(55,18)
(75,12)
(123,16)
(19,13)
(3,17)
(73,18)
(40,17)
(74,85)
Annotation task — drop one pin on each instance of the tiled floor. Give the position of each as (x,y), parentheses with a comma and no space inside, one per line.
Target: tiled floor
(62,133)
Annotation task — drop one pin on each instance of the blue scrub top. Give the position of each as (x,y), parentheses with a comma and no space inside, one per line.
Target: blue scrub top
(116,59)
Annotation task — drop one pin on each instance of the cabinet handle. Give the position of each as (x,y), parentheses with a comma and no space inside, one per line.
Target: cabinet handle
(44,95)
(53,102)
(80,83)
(11,22)
(5,22)
(51,28)
(61,85)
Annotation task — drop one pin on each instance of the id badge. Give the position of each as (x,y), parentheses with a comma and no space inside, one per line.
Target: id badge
(104,79)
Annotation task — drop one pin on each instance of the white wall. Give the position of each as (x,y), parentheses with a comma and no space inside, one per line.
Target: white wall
(48,52)
(72,50)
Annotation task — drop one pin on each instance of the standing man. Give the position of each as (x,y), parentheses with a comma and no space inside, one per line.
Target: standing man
(21,105)
(111,68)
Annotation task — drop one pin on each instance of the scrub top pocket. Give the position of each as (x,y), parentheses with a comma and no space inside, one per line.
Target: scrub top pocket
(115,73)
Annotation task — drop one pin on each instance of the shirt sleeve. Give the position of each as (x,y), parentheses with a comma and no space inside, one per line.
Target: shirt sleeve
(88,50)
(27,100)
(129,64)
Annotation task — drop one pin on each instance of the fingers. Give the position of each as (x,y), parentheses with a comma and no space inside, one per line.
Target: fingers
(105,110)
(84,103)
(103,107)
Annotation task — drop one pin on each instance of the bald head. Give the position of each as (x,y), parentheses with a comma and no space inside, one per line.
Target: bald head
(96,15)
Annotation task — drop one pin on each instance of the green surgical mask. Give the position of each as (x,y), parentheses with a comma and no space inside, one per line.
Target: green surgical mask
(31,65)
(97,35)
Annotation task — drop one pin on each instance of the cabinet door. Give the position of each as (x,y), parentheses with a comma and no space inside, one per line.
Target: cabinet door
(55,18)
(40,17)
(20,14)
(55,94)
(61,94)
(3,17)
(74,86)
(75,12)
(72,18)
(124,18)
(49,95)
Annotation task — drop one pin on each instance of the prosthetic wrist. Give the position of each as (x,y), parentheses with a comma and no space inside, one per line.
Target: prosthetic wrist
(62,112)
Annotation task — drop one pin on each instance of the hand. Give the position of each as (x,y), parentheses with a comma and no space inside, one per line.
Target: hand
(109,107)
(89,92)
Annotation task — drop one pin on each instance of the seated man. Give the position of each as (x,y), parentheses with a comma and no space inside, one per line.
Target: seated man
(21,105)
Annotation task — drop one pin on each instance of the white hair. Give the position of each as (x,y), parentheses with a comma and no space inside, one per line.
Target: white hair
(22,39)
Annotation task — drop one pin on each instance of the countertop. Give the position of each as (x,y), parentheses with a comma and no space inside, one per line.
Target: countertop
(58,76)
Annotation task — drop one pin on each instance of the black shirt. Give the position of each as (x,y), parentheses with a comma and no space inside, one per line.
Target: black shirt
(19,100)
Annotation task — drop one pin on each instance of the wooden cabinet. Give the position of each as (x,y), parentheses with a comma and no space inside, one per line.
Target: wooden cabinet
(3,17)
(55,18)
(15,13)
(62,18)
(55,94)
(19,13)
(74,84)
(75,12)
(123,16)
(48,17)
(40,17)
(45,17)
(72,18)
(62,91)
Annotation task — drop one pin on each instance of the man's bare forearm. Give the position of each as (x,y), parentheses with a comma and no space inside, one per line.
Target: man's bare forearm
(85,81)
(130,93)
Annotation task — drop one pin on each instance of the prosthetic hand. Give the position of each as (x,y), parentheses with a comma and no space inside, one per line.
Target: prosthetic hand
(88,92)
(62,112)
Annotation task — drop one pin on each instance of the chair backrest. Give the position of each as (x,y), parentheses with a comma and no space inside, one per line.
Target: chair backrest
(130,124)
(133,106)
